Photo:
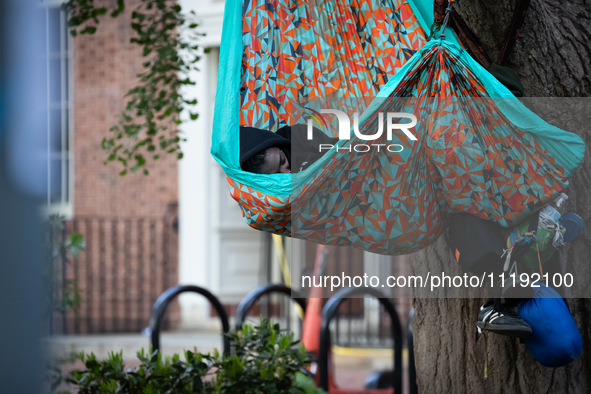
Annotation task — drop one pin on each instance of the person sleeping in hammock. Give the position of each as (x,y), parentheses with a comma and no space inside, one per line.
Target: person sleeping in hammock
(265,152)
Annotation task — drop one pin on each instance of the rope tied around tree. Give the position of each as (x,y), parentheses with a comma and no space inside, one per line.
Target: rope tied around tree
(446,19)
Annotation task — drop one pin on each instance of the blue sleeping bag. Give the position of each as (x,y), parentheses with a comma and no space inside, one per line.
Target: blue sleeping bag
(555,340)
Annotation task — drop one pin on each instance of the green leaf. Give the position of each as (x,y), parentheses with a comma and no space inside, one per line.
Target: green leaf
(76,243)
(107,144)
(156,102)
(99,11)
(132,130)
(140,162)
(88,30)
(138,16)
(286,342)
(120,8)
(74,21)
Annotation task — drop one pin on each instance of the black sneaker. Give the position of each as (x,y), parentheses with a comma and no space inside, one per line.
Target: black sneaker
(501,320)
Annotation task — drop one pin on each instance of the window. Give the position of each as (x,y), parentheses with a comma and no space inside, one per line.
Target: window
(59,104)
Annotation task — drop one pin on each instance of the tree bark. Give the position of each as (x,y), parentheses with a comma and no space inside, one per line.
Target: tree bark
(552,57)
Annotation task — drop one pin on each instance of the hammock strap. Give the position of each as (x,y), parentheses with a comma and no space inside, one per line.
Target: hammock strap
(539,260)
(446,19)
(439,7)
(516,23)
(470,40)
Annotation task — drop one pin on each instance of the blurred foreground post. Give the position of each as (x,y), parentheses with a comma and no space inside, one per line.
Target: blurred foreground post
(22,126)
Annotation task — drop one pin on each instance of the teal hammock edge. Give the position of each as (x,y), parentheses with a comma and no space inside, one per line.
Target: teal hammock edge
(225,142)
(567,148)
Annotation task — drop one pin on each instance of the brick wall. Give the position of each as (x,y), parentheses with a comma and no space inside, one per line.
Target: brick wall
(105,68)
(129,222)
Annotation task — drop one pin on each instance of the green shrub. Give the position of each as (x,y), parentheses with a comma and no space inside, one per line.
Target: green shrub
(153,376)
(266,360)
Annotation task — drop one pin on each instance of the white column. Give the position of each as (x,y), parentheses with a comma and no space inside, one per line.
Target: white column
(195,251)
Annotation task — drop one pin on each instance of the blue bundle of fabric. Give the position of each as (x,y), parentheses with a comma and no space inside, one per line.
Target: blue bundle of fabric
(555,340)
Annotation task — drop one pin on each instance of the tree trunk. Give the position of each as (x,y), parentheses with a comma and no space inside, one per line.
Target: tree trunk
(552,57)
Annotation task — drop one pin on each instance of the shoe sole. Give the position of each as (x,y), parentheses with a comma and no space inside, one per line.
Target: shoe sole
(512,331)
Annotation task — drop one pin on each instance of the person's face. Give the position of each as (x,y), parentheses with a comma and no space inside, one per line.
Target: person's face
(275,162)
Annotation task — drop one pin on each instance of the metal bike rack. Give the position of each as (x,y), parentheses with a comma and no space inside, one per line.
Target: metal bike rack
(251,298)
(165,298)
(329,311)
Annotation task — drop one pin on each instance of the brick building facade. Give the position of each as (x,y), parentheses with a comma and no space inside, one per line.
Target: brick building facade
(129,222)
(105,66)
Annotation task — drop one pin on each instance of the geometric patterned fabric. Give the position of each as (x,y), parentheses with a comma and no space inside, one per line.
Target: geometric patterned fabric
(471,154)
(468,157)
(296,49)
(319,49)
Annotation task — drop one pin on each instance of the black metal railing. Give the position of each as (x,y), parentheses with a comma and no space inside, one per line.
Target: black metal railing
(255,295)
(161,304)
(328,313)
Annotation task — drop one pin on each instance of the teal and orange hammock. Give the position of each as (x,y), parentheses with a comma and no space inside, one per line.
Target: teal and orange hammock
(479,150)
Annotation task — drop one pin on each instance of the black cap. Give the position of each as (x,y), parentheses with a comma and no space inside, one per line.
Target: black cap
(253,141)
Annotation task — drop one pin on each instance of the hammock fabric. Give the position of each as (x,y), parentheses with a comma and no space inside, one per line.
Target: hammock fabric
(481,152)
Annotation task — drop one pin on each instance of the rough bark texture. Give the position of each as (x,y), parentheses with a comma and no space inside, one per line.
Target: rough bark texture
(552,55)
(553,58)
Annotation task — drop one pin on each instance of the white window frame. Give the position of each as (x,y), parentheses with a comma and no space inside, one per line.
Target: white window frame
(65,207)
